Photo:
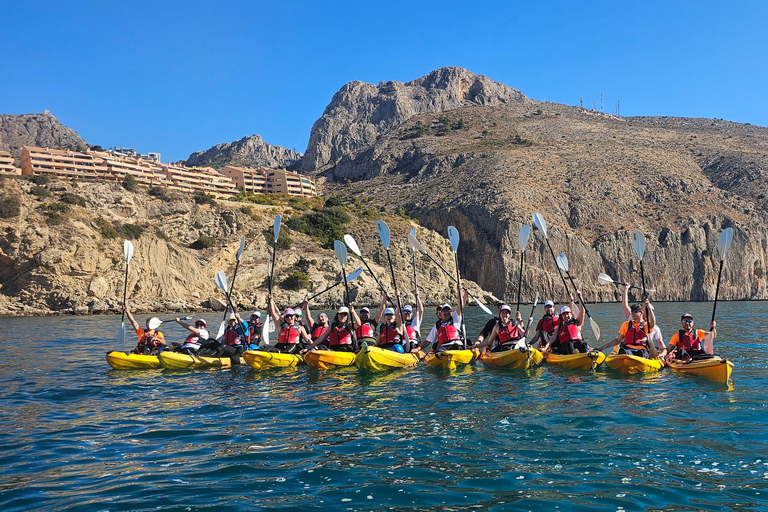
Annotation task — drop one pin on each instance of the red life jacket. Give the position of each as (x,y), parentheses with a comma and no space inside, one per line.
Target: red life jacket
(318,331)
(365,331)
(636,337)
(688,341)
(549,323)
(150,341)
(289,336)
(447,333)
(509,332)
(388,335)
(412,334)
(231,338)
(339,335)
(569,332)
(254,332)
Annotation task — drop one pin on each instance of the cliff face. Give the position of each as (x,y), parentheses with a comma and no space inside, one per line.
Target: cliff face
(360,113)
(41,130)
(73,268)
(249,151)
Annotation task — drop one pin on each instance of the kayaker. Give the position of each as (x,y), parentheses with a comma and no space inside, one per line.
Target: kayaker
(547,325)
(686,343)
(339,336)
(567,338)
(255,326)
(365,326)
(490,324)
(292,337)
(506,334)
(633,338)
(198,335)
(316,327)
(151,341)
(391,332)
(446,333)
(655,333)
(235,335)
(414,320)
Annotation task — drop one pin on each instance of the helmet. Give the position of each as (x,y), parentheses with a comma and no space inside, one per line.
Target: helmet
(398,348)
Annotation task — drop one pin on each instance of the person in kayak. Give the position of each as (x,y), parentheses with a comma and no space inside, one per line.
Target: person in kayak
(546,326)
(412,322)
(339,336)
(315,327)
(446,333)
(151,341)
(567,338)
(506,334)
(686,344)
(490,324)
(656,336)
(391,332)
(235,336)
(198,335)
(634,334)
(255,326)
(365,326)
(292,337)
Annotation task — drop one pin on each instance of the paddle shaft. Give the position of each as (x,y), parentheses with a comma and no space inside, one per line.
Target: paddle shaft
(381,286)
(446,272)
(528,326)
(125,291)
(415,282)
(334,285)
(231,287)
(558,266)
(717,291)
(570,277)
(397,295)
(346,287)
(458,291)
(520,279)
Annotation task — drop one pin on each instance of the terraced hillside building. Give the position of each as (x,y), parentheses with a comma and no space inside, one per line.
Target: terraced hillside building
(271,181)
(6,164)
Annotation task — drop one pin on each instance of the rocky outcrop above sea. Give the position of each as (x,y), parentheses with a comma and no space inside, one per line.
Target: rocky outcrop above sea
(250,151)
(41,130)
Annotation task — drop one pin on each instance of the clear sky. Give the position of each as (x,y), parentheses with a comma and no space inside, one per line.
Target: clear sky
(176,77)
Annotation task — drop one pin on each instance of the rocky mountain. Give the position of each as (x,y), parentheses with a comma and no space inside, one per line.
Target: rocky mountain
(62,252)
(249,151)
(485,166)
(360,113)
(41,130)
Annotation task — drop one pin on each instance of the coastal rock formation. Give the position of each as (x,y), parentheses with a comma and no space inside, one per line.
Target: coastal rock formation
(360,113)
(41,130)
(249,151)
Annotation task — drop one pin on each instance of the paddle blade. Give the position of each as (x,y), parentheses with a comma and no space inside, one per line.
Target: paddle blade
(453,236)
(352,244)
(278,221)
(562,262)
(604,279)
(341,252)
(415,243)
(638,242)
(725,242)
(540,224)
(242,247)
(222,326)
(354,275)
(482,306)
(522,237)
(709,345)
(383,230)
(536,300)
(595,328)
(265,333)
(121,333)
(154,323)
(221,280)
(128,251)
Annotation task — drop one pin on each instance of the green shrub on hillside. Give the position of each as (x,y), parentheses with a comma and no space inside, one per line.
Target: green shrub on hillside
(203,242)
(106,228)
(284,241)
(130,183)
(201,197)
(54,219)
(40,179)
(296,281)
(132,231)
(161,234)
(10,207)
(40,191)
(157,192)
(70,198)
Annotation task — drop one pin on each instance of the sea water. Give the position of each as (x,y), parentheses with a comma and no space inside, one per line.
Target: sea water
(78,435)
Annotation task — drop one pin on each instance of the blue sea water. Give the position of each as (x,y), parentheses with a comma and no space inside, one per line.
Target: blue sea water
(78,435)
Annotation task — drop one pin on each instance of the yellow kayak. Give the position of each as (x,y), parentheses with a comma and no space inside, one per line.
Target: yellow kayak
(514,359)
(174,360)
(588,361)
(715,368)
(375,359)
(261,360)
(326,359)
(448,359)
(126,361)
(631,365)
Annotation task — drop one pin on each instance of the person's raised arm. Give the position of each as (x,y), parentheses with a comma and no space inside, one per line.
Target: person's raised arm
(273,311)
(651,314)
(419,306)
(625,302)
(133,321)
(580,318)
(382,307)
(307,315)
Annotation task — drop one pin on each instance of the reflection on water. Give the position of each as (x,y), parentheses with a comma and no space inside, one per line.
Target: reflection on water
(78,433)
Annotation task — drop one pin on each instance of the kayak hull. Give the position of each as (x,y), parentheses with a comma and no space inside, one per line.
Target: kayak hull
(126,361)
(716,369)
(631,365)
(375,359)
(176,361)
(449,359)
(513,359)
(261,360)
(588,361)
(327,359)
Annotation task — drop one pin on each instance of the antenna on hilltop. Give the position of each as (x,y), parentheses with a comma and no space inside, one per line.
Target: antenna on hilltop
(601,103)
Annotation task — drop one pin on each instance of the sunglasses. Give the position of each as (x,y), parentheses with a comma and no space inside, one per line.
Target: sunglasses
(199,325)
(636,310)
(688,321)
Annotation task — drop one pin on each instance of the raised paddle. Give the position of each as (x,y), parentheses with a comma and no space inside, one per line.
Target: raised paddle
(522,241)
(541,225)
(221,282)
(412,235)
(606,279)
(232,284)
(453,236)
(155,322)
(723,244)
(353,275)
(267,328)
(356,250)
(383,230)
(638,242)
(128,253)
(341,255)
(533,309)
(415,243)
(562,264)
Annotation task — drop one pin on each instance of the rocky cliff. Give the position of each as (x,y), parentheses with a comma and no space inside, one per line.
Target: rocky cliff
(41,130)
(62,252)
(249,151)
(360,113)
(484,167)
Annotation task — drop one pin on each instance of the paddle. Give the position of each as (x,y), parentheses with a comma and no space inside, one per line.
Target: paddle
(453,236)
(415,243)
(522,240)
(267,329)
(383,230)
(341,255)
(541,225)
(354,275)
(533,309)
(723,244)
(562,264)
(128,253)
(356,250)
(606,279)
(155,322)
(231,287)
(638,242)
(221,282)
(412,234)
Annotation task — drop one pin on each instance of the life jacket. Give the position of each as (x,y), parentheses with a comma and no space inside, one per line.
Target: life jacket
(508,333)
(447,332)
(149,342)
(318,331)
(192,341)
(688,341)
(549,323)
(365,331)
(254,332)
(339,335)
(231,337)
(412,333)
(569,332)
(636,337)
(289,335)
(388,335)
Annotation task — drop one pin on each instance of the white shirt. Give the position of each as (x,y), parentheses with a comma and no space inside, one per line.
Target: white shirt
(432,336)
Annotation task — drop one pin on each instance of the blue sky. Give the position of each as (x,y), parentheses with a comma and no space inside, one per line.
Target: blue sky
(177,77)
